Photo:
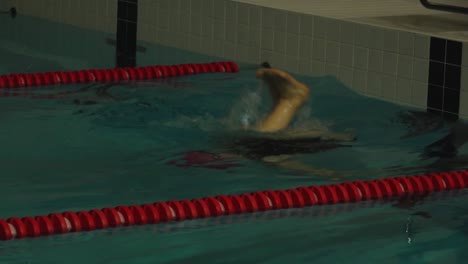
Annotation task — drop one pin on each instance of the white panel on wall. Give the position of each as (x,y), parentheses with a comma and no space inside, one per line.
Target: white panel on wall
(419,94)
(464,104)
(404,91)
(390,40)
(293,21)
(374,84)
(333,30)
(347,32)
(307,25)
(360,81)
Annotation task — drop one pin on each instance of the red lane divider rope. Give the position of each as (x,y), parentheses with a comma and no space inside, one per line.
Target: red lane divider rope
(112,75)
(160,212)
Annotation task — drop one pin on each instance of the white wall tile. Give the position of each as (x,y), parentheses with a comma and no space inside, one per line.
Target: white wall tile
(184,23)
(195,24)
(229,50)
(207,45)
(305,47)
(390,40)
(255,16)
(291,64)
(347,32)
(360,81)
(267,39)
(231,11)
(279,20)
(166,4)
(184,6)
(231,32)
(278,59)
(419,94)
(293,21)
(242,53)
(421,46)
(195,6)
(405,66)
(375,60)
(405,43)
(464,103)
(347,55)
(243,14)
(207,27)
(374,84)
(333,30)
(420,70)
(332,70)
(218,47)
(362,35)
(304,66)
(318,49)
(361,57)
(292,45)
(207,8)
(255,37)
(195,43)
(333,53)
(464,78)
(390,63)
(404,91)
(219,30)
(254,54)
(219,9)
(307,25)
(376,41)
(345,75)
(243,34)
(389,87)
(317,68)
(279,43)
(465,54)
(320,27)
(268,18)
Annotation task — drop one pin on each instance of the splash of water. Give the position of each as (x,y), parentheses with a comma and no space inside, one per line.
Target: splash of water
(247,111)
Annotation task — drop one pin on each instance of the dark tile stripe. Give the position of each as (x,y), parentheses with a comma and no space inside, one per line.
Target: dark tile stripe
(127,22)
(444,77)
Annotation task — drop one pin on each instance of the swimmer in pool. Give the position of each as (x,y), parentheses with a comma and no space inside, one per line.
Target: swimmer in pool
(272,140)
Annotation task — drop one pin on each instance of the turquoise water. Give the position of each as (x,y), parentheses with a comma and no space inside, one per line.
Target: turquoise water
(57,155)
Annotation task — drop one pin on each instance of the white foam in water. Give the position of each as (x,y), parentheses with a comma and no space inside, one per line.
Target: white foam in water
(246,112)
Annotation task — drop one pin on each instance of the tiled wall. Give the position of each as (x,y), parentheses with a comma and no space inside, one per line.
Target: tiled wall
(397,66)
(98,15)
(378,62)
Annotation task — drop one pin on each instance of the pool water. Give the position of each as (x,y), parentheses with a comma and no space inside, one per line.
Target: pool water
(86,149)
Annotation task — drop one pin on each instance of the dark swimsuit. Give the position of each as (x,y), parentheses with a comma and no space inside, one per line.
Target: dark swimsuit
(257,148)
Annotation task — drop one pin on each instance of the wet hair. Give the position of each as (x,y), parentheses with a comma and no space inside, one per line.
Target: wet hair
(265,64)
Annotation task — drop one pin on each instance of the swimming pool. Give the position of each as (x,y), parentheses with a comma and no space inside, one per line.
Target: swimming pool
(59,155)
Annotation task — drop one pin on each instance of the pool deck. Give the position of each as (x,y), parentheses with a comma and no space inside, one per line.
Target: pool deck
(407,15)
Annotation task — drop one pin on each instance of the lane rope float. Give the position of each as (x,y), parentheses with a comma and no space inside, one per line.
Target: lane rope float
(112,75)
(215,206)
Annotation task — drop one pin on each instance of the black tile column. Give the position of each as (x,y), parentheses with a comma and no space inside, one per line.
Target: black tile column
(444,77)
(127,19)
